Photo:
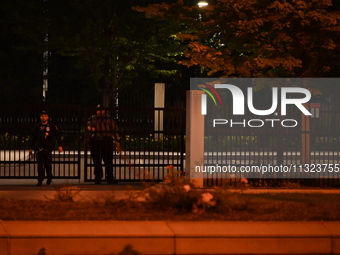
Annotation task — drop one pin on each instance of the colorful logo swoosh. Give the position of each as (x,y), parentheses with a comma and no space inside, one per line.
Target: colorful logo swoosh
(211,91)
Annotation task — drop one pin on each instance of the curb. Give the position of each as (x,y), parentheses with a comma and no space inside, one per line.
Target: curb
(168,237)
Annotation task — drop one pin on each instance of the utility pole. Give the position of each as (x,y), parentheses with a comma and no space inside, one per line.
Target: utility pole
(45,71)
(45,58)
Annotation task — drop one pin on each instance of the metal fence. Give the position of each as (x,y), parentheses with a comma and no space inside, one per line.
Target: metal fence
(16,126)
(242,145)
(151,138)
(154,138)
(149,145)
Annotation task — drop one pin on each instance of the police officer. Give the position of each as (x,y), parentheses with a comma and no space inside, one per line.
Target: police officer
(43,141)
(102,129)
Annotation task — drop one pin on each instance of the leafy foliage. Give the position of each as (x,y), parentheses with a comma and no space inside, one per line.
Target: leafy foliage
(242,38)
(112,42)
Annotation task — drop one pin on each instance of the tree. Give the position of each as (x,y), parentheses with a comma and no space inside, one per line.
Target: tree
(258,38)
(18,69)
(106,38)
(103,36)
(115,43)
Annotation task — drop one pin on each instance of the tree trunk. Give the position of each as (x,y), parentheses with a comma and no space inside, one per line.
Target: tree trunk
(106,99)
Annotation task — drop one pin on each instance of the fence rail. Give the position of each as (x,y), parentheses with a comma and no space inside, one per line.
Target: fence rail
(149,145)
(153,138)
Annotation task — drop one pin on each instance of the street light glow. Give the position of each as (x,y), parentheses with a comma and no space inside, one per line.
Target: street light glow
(202,4)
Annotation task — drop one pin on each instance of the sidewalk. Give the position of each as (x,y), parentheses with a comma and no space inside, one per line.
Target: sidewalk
(26,189)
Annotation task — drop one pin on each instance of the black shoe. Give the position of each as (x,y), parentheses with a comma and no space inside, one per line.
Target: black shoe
(49,181)
(39,184)
(97,182)
(111,181)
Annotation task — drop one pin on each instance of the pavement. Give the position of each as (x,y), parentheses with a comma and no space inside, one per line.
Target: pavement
(156,237)
(26,189)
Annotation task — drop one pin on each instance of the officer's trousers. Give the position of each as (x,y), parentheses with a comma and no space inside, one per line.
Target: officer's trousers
(44,158)
(102,151)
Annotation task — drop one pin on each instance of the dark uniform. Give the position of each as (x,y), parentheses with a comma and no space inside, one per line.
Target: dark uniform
(43,142)
(102,129)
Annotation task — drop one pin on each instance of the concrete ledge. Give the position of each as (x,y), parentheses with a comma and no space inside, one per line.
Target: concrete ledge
(168,237)
(252,238)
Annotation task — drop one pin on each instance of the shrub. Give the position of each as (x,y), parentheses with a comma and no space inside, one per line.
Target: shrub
(176,193)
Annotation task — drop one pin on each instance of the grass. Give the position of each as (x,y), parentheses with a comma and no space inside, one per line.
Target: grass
(228,207)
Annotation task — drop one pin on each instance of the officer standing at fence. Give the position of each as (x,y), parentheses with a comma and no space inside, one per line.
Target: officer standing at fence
(43,141)
(102,129)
